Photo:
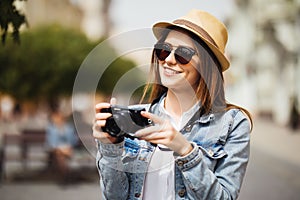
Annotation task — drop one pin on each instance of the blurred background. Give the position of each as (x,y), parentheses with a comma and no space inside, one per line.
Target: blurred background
(45,43)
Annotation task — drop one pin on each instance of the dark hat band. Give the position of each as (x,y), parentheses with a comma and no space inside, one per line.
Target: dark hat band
(196,28)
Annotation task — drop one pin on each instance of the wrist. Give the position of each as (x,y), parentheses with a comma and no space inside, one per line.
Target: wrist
(186,150)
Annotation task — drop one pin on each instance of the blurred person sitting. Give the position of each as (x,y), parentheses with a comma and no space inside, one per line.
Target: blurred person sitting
(60,139)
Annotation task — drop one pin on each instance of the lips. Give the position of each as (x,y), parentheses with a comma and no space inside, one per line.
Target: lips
(170,72)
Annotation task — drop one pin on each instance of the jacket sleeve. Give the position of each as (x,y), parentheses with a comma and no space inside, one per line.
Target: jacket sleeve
(225,179)
(113,179)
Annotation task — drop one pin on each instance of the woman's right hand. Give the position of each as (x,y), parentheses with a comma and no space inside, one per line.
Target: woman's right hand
(100,120)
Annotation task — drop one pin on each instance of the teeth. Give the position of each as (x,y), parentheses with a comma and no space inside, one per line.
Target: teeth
(171,71)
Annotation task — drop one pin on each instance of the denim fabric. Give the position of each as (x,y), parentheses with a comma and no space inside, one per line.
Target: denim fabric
(58,137)
(213,170)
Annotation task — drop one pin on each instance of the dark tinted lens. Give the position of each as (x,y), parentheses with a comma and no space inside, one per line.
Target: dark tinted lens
(184,55)
(162,51)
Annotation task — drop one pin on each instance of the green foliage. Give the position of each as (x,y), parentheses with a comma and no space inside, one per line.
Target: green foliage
(45,65)
(10,16)
(114,73)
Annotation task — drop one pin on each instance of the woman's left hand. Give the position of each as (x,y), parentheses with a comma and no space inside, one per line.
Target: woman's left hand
(162,132)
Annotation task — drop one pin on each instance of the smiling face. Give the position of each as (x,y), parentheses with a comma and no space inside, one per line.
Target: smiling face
(201,76)
(173,74)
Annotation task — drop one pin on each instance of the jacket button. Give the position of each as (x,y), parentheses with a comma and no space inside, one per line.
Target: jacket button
(211,152)
(181,193)
(137,195)
(188,128)
(180,163)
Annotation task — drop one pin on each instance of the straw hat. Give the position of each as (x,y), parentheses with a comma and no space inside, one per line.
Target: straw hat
(212,31)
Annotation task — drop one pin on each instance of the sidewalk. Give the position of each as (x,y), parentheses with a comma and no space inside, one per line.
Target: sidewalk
(273,172)
(277,141)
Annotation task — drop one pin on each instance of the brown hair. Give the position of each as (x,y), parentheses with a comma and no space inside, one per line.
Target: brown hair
(210,90)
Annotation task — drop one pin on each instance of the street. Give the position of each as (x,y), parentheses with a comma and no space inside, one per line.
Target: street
(273,172)
(274,168)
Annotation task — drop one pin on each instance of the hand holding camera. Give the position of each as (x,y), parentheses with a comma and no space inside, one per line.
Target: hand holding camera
(124,121)
(117,122)
(164,133)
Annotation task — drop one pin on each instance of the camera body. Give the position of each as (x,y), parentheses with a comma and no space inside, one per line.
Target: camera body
(124,121)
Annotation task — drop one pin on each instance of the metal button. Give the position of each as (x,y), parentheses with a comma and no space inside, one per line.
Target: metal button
(181,193)
(188,128)
(180,163)
(137,195)
(210,152)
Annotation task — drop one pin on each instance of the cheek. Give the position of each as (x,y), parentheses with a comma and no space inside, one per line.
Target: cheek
(194,78)
(194,75)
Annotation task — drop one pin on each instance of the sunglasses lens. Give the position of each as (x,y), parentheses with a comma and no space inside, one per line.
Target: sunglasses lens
(184,55)
(162,51)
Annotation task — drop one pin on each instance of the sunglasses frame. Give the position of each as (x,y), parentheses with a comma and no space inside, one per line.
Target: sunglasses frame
(179,57)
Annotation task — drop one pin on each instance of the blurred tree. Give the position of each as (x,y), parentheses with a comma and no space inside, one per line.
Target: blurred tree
(10,16)
(114,73)
(46,64)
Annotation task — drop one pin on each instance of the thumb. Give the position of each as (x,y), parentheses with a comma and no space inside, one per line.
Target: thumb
(113,101)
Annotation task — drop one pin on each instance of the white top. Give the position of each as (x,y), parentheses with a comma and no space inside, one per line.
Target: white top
(160,178)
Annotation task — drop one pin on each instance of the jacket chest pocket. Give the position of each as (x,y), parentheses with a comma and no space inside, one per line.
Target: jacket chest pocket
(211,139)
(212,152)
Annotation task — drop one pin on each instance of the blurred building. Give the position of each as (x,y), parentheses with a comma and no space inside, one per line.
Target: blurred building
(265,56)
(63,12)
(84,15)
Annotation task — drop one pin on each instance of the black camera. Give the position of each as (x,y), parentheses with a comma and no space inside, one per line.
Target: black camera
(124,121)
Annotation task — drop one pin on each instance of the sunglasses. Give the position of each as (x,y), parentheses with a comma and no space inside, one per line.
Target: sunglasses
(183,55)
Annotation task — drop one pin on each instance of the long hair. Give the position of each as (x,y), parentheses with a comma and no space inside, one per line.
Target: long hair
(210,89)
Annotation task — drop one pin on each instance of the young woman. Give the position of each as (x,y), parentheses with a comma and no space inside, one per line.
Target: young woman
(198,147)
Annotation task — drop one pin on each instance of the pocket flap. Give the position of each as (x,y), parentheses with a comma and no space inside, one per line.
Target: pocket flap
(213,151)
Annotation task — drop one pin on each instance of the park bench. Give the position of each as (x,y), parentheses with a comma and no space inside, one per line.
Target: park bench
(29,140)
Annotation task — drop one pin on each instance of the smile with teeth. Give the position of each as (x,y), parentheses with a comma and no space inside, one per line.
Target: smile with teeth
(170,71)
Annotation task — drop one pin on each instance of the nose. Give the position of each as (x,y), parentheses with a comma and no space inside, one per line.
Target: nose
(170,60)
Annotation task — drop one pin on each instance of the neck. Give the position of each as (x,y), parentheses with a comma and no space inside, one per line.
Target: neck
(179,102)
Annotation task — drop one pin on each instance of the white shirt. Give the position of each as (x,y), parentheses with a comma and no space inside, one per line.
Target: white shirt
(160,178)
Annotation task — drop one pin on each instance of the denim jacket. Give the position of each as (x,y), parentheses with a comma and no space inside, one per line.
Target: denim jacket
(213,170)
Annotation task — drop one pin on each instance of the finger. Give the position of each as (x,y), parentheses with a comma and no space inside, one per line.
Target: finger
(102,116)
(100,123)
(156,119)
(153,137)
(113,101)
(104,137)
(156,141)
(99,106)
(100,135)
(147,131)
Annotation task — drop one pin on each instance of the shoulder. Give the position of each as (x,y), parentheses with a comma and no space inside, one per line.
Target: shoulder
(229,122)
(237,123)
(237,117)
(232,115)
(69,127)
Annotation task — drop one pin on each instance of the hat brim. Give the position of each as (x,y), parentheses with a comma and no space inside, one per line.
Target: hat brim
(159,27)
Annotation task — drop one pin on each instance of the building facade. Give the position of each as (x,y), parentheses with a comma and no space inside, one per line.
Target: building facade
(265,57)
